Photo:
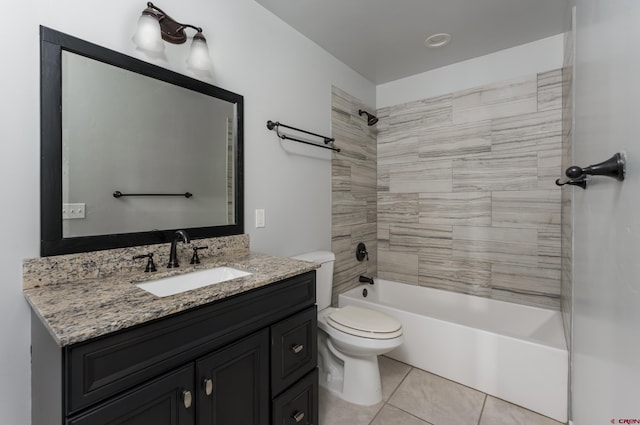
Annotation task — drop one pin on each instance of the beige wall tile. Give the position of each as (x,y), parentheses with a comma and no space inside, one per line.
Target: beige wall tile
(401,151)
(527,209)
(527,132)
(503,171)
(549,168)
(340,175)
(422,176)
(549,247)
(413,238)
(536,286)
(466,276)
(383,178)
(354,187)
(398,207)
(420,114)
(481,162)
(496,245)
(550,90)
(398,266)
(348,209)
(458,208)
(453,141)
(514,97)
(363,177)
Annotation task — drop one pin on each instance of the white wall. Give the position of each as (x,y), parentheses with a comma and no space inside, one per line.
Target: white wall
(528,59)
(282,75)
(606,227)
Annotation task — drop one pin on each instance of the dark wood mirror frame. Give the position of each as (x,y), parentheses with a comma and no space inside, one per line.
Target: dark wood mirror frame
(52,43)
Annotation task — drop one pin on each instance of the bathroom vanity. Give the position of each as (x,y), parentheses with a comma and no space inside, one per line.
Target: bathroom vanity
(238,352)
(105,351)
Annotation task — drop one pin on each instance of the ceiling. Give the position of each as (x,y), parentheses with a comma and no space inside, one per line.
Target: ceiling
(383,40)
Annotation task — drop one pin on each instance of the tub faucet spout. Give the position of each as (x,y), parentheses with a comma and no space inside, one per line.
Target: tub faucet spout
(365,279)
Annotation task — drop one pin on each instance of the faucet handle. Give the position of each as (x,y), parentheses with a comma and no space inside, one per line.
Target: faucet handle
(361,252)
(195,259)
(151,267)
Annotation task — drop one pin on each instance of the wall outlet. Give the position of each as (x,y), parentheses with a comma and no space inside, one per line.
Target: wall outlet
(260,218)
(72,211)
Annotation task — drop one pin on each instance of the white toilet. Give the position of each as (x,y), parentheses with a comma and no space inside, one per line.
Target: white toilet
(350,340)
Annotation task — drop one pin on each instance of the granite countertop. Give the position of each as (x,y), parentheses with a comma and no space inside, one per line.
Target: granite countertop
(77,311)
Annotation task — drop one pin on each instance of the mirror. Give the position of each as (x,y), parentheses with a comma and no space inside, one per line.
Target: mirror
(131,151)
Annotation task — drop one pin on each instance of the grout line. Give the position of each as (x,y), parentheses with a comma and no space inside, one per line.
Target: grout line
(410,414)
(401,382)
(482,410)
(486,396)
(384,403)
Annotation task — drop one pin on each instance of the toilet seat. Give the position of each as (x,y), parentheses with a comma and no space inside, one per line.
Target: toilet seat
(365,323)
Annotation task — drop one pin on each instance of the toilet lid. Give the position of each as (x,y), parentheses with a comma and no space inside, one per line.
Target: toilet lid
(364,322)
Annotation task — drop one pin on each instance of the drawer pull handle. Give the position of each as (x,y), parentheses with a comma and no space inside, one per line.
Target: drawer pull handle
(207,386)
(298,416)
(187,398)
(297,348)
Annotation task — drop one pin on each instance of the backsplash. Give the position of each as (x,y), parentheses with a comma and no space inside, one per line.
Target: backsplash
(466,195)
(61,269)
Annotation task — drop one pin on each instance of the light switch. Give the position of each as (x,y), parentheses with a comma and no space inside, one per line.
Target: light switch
(72,211)
(260,218)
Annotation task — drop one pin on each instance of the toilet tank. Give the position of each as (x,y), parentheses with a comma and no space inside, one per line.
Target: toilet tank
(324,275)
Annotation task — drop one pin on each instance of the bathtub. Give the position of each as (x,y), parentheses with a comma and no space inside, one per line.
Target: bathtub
(513,352)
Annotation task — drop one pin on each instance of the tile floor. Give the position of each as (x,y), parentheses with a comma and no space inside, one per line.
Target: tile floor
(414,397)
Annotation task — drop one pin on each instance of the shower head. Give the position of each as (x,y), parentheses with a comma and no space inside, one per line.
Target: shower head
(371,119)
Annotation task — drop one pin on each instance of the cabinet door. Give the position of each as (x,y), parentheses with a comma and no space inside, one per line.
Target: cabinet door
(234,383)
(168,400)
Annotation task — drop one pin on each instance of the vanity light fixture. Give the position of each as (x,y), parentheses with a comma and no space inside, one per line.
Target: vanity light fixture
(155,25)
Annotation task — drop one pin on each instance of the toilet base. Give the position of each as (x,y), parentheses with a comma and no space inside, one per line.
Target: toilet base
(353,379)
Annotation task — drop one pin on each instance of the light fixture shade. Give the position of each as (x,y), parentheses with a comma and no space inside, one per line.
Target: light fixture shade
(199,59)
(147,36)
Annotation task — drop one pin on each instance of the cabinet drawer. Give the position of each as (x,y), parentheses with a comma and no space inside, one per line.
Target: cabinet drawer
(298,405)
(293,349)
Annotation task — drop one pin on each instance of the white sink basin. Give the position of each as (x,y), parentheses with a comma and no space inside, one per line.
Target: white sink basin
(185,282)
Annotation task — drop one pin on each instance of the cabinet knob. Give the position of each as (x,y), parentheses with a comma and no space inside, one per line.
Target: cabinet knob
(297,348)
(297,416)
(187,399)
(207,386)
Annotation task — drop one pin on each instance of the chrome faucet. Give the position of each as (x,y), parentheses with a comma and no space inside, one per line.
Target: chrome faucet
(173,257)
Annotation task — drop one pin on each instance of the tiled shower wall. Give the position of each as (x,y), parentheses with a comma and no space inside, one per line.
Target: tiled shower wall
(353,191)
(466,194)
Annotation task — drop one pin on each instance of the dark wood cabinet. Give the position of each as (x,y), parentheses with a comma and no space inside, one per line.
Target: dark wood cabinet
(164,401)
(236,361)
(234,383)
(298,405)
(294,350)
